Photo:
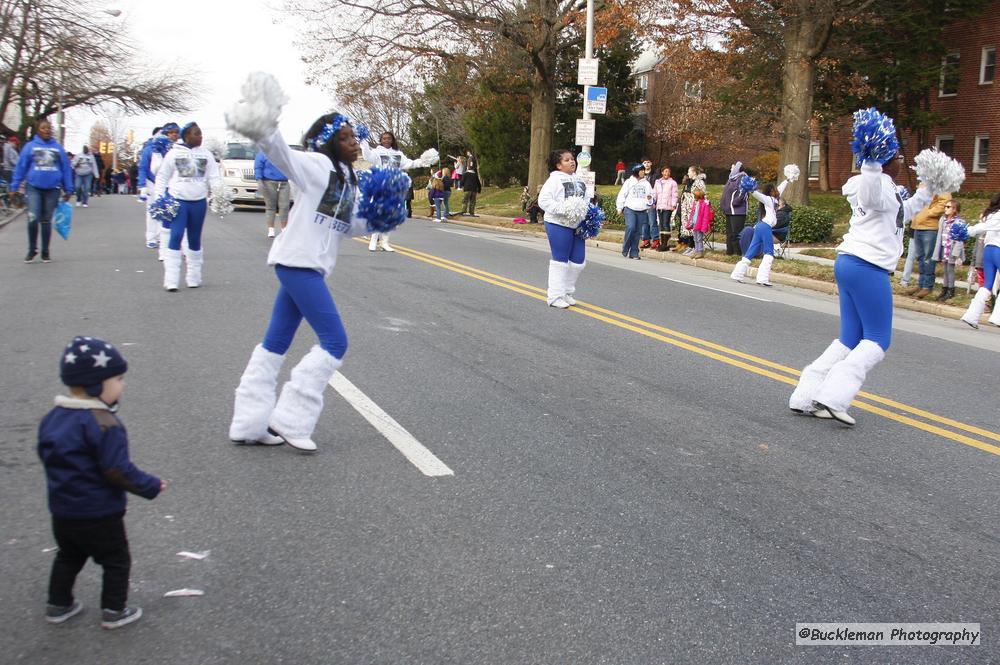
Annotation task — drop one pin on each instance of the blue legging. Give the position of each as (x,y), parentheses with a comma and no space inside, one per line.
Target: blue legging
(991,265)
(633,218)
(303,293)
(564,244)
(865,302)
(191,218)
(762,241)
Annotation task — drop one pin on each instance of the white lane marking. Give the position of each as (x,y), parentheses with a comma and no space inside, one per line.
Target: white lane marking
(712,288)
(404,442)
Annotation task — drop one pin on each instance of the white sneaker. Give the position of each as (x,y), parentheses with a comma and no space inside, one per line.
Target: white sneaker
(560,303)
(270,232)
(266,440)
(78,204)
(305,445)
(85,205)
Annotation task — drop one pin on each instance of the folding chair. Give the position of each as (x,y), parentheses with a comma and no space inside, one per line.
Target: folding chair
(781,241)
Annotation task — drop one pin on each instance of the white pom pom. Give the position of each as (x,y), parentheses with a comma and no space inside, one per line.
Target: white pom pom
(792,172)
(256,114)
(938,171)
(575,208)
(221,200)
(429,156)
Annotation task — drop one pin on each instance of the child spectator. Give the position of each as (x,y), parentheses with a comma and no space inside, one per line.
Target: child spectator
(950,253)
(700,221)
(84,448)
(437,196)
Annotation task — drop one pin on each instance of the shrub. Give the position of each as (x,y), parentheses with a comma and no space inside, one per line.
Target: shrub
(612,218)
(811,224)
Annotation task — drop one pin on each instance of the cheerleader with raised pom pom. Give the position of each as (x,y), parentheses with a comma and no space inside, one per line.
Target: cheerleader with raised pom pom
(866,258)
(989,228)
(763,238)
(332,204)
(387,155)
(564,201)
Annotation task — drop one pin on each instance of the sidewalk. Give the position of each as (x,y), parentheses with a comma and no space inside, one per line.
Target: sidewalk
(8,215)
(611,240)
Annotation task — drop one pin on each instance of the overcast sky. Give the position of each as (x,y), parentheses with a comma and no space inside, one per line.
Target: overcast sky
(225,40)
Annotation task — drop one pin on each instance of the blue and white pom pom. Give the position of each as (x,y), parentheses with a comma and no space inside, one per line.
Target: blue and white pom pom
(938,171)
(592,222)
(874,137)
(792,172)
(903,192)
(959,232)
(164,209)
(574,208)
(362,132)
(383,198)
(748,184)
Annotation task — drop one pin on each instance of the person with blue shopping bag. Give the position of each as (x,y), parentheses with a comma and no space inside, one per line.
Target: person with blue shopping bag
(42,170)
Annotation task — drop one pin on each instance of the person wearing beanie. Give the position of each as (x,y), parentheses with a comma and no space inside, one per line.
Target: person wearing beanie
(634,198)
(190,173)
(84,449)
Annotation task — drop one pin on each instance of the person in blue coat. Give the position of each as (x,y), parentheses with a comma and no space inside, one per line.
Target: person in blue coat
(273,186)
(42,170)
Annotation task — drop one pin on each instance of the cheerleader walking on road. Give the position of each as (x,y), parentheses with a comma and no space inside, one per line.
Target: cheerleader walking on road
(866,258)
(989,227)
(564,200)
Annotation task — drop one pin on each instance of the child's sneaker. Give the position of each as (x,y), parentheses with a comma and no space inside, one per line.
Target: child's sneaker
(112,619)
(60,613)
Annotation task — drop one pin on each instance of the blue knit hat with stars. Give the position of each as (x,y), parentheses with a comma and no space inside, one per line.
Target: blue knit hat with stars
(88,361)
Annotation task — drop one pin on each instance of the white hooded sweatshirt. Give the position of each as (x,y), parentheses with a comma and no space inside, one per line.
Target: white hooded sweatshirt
(325,210)
(991,227)
(559,187)
(189,173)
(878,216)
(384,158)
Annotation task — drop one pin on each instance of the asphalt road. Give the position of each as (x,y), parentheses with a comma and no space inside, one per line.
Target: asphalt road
(628,484)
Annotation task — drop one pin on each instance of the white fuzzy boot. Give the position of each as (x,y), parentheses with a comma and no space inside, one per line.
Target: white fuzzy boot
(255,397)
(301,401)
(152,230)
(813,375)
(740,270)
(844,381)
(557,284)
(764,271)
(572,273)
(995,316)
(164,242)
(373,243)
(194,262)
(385,242)
(171,269)
(977,307)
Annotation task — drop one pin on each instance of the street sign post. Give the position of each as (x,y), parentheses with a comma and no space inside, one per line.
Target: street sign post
(596,101)
(587,72)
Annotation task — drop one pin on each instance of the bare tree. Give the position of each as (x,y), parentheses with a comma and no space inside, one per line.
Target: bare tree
(384,104)
(61,53)
(376,39)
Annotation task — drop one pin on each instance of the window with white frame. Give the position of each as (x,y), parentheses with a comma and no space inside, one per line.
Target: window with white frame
(981,153)
(987,65)
(643,87)
(814,160)
(692,89)
(950,75)
(946,144)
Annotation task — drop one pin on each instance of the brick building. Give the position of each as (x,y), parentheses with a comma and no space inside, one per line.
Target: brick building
(968,95)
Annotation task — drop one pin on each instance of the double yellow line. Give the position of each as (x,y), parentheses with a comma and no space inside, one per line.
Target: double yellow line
(883,406)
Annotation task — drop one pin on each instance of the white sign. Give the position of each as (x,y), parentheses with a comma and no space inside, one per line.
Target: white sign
(596,101)
(585,130)
(590,177)
(583,159)
(587,73)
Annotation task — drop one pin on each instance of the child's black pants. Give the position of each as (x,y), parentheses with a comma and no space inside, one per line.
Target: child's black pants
(102,539)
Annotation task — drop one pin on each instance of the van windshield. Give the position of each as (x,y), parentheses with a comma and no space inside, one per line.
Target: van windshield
(240,151)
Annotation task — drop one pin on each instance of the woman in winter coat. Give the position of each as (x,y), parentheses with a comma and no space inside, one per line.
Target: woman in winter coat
(634,198)
(564,200)
(948,252)
(685,237)
(42,170)
(665,201)
(388,155)
(989,228)
(324,215)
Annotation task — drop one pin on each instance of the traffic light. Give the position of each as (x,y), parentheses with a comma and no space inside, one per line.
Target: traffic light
(103,148)
(131,136)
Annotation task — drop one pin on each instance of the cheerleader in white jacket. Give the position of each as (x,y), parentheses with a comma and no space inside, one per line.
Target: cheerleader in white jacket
(189,173)
(989,226)
(763,240)
(865,260)
(564,200)
(303,256)
(388,155)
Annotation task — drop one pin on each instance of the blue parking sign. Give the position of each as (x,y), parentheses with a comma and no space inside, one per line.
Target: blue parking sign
(597,100)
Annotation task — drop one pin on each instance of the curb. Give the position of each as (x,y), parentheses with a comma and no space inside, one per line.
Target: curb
(10,218)
(899,301)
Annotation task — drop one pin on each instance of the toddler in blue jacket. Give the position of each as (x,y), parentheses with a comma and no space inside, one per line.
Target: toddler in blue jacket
(84,448)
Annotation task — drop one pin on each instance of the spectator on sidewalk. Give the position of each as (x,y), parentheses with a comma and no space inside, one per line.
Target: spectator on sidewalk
(685,237)
(620,172)
(10,156)
(532,208)
(734,207)
(948,251)
(665,202)
(634,198)
(98,184)
(650,228)
(925,228)
(471,186)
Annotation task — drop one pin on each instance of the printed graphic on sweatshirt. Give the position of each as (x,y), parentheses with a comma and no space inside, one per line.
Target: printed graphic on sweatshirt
(191,167)
(391,161)
(45,159)
(573,188)
(336,205)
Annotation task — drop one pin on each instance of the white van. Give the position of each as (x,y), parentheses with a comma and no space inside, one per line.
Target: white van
(237,174)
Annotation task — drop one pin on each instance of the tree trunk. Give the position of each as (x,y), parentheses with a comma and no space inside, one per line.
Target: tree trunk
(824,159)
(543,120)
(797,79)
